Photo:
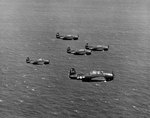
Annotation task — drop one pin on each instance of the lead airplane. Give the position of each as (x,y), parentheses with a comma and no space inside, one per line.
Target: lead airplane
(97,47)
(91,75)
(79,52)
(67,37)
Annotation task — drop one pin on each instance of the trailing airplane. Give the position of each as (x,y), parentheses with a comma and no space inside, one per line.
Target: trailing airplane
(89,76)
(79,52)
(37,62)
(67,37)
(97,48)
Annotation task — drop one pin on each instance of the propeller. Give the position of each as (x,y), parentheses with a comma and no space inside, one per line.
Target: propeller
(108,46)
(113,74)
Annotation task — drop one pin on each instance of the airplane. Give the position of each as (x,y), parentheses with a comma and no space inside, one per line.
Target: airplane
(97,48)
(91,75)
(37,62)
(79,52)
(67,37)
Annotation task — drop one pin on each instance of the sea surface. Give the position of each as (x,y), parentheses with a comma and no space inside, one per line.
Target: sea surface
(28,28)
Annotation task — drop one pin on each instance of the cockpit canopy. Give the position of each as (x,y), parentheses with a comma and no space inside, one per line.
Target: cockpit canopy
(81,49)
(94,72)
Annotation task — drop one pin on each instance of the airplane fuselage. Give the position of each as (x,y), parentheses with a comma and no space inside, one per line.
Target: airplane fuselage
(67,37)
(79,52)
(37,62)
(92,75)
(97,48)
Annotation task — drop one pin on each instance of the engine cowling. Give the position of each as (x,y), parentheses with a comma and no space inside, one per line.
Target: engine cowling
(46,62)
(109,76)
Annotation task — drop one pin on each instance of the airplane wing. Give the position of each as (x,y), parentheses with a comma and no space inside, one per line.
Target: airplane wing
(94,79)
(88,77)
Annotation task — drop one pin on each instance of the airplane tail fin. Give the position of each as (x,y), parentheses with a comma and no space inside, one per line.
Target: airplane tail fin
(72,71)
(72,74)
(86,45)
(68,50)
(28,60)
(57,35)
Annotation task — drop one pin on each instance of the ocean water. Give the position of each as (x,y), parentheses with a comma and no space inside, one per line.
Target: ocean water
(28,28)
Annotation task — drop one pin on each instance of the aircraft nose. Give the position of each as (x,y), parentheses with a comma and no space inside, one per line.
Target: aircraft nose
(105,49)
(113,74)
(109,77)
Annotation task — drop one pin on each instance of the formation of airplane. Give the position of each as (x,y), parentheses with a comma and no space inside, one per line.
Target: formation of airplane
(91,75)
(79,52)
(37,62)
(95,74)
(97,48)
(67,37)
